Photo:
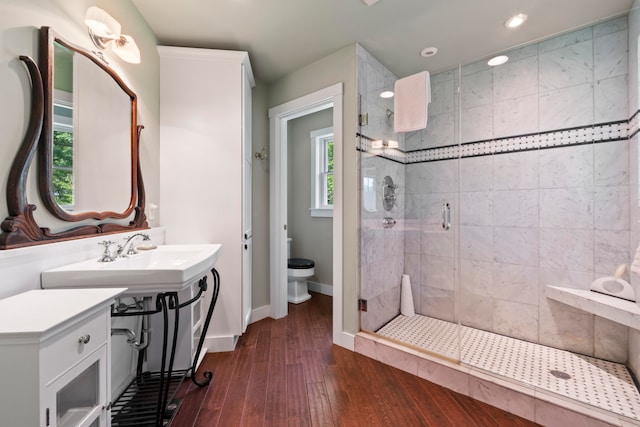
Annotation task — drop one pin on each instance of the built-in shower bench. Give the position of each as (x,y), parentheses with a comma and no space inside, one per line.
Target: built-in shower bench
(611,308)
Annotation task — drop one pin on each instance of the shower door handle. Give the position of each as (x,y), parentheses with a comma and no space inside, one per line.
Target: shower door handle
(446,216)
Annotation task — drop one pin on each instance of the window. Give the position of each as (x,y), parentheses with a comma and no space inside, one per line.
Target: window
(322,172)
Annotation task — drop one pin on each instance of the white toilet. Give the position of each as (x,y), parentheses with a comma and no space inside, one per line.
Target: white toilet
(298,271)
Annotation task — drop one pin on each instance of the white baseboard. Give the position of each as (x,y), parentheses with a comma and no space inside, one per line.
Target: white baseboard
(220,344)
(345,339)
(260,313)
(320,288)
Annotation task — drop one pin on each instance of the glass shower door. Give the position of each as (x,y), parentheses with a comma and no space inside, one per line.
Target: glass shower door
(409,219)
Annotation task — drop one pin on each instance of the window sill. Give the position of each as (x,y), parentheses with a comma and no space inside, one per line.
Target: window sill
(321,213)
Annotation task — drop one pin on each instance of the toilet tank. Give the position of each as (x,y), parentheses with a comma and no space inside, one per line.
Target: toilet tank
(289,247)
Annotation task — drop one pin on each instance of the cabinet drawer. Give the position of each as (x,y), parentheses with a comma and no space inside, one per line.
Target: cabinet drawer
(61,353)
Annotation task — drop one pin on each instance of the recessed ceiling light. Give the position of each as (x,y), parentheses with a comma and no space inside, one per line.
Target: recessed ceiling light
(498,60)
(516,20)
(428,51)
(386,94)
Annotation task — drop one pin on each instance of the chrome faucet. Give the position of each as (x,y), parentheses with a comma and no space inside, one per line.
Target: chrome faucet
(128,248)
(106,256)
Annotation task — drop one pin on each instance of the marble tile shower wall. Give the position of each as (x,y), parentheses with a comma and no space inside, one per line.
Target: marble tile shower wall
(528,218)
(382,250)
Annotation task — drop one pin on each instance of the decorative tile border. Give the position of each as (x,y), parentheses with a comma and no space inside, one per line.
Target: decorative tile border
(634,124)
(603,132)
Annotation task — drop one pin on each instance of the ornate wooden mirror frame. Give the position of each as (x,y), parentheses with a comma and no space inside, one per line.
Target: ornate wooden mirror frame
(20,228)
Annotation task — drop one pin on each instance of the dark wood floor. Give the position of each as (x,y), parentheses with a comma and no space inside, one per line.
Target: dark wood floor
(286,372)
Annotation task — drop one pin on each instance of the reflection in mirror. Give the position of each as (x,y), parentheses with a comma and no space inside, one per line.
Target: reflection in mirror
(88,147)
(91,148)
(62,166)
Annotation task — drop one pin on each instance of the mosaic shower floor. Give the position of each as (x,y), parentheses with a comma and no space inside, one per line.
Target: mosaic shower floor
(600,383)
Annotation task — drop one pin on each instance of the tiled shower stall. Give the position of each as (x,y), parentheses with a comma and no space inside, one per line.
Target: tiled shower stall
(537,161)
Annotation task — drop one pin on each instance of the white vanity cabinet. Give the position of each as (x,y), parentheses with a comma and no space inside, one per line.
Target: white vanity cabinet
(205,171)
(55,357)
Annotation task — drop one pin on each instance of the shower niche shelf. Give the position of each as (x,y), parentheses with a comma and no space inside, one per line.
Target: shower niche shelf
(612,308)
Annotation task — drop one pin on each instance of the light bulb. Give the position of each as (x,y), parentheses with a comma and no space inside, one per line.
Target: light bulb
(516,20)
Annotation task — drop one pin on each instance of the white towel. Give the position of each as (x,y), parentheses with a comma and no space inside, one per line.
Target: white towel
(406,297)
(411,99)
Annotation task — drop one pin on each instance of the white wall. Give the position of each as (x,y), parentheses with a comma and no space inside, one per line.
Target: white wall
(260,202)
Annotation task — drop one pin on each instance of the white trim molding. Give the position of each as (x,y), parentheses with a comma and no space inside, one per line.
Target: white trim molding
(330,97)
(320,288)
(260,313)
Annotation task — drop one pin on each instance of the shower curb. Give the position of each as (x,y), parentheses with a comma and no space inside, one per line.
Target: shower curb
(536,405)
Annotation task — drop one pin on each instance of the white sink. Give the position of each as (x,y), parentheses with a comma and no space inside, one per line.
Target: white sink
(166,268)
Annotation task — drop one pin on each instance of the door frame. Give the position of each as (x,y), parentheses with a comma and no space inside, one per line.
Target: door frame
(279,116)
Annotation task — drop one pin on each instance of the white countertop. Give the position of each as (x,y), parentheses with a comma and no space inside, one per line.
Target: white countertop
(38,313)
(609,307)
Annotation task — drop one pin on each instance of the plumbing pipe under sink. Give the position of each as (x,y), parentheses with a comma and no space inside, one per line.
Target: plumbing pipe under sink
(132,337)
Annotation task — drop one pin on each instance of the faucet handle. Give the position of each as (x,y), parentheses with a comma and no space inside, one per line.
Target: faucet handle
(106,256)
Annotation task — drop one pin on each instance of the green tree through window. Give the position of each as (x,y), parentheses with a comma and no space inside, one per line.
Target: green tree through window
(62,179)
(329,173)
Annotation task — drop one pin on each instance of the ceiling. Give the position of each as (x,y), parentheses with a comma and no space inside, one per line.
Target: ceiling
(284,35)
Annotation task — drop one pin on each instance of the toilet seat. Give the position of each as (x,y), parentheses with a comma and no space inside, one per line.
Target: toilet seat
(299,263)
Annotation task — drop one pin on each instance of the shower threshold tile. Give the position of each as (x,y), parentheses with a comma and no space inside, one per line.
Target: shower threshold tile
(599,383)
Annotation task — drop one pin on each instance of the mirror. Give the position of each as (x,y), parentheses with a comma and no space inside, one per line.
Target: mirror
(88,137)
(84,127)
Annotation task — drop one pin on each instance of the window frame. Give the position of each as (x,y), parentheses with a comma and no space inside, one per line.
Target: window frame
(319,172)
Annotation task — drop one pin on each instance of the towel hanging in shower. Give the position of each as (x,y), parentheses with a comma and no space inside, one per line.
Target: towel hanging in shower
(411,102)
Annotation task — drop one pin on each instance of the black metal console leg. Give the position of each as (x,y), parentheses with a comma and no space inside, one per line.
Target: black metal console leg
(164,302)
(161,298)
(175,306)
(208,375)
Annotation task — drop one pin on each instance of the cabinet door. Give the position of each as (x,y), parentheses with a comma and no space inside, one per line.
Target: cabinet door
(247,254)
(78,397)
(247,250)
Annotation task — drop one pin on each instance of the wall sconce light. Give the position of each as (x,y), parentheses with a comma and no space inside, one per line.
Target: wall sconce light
(379,143)
(104,31)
